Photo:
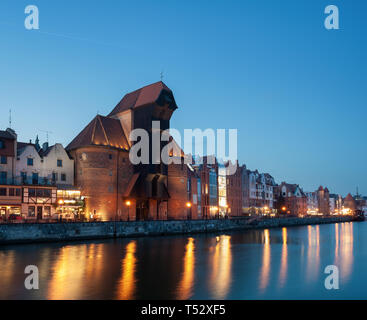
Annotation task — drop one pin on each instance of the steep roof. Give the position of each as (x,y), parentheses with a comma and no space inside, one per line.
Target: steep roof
(6,135)
(349,197)
(22,145)
(101,131)
(145,95)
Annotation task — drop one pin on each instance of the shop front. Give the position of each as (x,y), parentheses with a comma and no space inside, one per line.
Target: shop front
(10,203)
(70,204)
(39,203)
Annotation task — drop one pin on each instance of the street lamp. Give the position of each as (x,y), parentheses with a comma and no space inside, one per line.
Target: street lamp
(128,203)
(189,205)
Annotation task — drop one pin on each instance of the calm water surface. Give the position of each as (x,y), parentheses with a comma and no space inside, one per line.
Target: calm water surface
(283,263)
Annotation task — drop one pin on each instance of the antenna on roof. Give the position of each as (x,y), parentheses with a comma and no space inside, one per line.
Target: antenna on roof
(10,118)
(47,134)
(162,75)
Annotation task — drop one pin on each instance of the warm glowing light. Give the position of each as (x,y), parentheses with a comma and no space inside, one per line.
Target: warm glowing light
(185,287)
(128,203)
(61,201)
(284,209)
(188,204)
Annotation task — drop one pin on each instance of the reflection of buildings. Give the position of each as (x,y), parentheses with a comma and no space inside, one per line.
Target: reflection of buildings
(343,254)
(313,252)
(126,286)
(265,267)
(221,277)
(186,285)
(284,259)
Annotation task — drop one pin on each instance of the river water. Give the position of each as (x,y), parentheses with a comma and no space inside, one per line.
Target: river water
(284,263)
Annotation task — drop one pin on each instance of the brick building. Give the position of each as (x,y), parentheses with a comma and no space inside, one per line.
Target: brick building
(291,199)
(323,198)
(257,190)
(114,187)
(234,193)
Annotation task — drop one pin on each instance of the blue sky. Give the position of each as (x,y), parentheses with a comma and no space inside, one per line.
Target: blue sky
(295,91)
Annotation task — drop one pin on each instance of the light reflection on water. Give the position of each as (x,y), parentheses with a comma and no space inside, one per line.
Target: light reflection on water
(285,263)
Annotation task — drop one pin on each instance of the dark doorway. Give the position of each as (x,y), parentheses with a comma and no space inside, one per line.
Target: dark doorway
(39,213)
(142,210)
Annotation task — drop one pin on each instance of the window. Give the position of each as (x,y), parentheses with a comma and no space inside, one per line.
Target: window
(4,160)
(54,176)
(59,163)
(34,178)
(17,192)
(24,177)
(11,192)
(31,211)
(3,177)
(30,162)
(47,211)
(3,192)
(2,144)
(63,177)
(110,156)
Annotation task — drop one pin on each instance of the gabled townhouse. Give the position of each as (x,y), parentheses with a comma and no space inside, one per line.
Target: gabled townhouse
(291,199)
(257,190)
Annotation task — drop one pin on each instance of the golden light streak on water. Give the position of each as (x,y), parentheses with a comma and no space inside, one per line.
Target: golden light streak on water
(345,255)
(313,253)
(186,284)
(68,278)
(265,268)
(127,284)
(7,268)
(336,254)
(221,276)
(284,259)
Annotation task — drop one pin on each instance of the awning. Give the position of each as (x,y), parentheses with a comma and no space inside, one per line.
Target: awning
(131,185)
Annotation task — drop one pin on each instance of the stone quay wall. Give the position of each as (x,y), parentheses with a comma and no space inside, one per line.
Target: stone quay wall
(46,232)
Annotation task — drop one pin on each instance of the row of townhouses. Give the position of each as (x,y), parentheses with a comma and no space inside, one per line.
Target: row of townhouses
(93,177)
(36,182)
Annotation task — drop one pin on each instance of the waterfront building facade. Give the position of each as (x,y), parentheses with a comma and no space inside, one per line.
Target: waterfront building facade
(207,173)
(114,188)
(323,198)
(312,203)
(234,192)
(291,199)
(257,191)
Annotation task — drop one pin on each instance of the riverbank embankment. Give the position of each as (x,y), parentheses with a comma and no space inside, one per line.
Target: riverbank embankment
(47,232)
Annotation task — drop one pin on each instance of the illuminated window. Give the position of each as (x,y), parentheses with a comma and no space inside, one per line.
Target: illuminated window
(31,211)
